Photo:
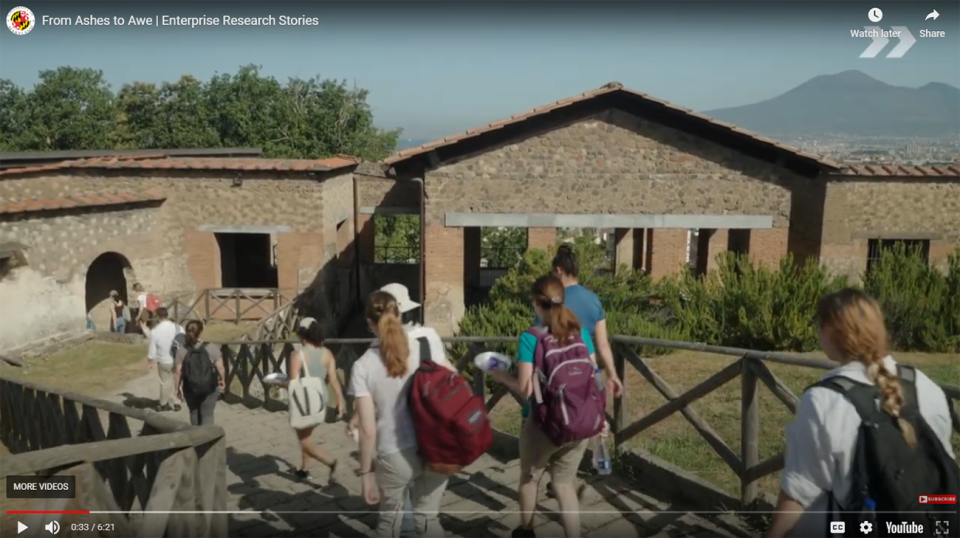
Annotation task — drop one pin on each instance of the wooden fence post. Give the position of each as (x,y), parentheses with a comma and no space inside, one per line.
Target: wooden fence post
(749,432)
(237,306)
(206,306)
(619,413)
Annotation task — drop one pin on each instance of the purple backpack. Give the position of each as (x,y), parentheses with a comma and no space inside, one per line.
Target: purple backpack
(569,402)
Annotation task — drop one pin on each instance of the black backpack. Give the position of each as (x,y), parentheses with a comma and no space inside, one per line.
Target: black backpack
(889,478)
(200,378)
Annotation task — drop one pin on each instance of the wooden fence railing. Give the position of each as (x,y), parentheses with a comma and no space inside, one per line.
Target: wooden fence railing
(247,362)
(168,479)
(230,304)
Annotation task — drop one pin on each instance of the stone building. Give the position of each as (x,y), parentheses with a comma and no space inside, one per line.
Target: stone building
(655,174)
(176,225)
(610,158)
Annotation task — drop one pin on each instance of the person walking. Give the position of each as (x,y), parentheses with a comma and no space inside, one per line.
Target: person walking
(389,462)
(588,309)
(198,375)
(547,354)
(312,359)
(159,357)
(142,315)
(868,410)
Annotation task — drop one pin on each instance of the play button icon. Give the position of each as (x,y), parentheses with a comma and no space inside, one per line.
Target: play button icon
(20,527)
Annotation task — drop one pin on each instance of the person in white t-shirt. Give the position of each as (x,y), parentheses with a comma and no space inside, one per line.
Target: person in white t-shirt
(380,384)
(822,439)
(160,356)
(407,308)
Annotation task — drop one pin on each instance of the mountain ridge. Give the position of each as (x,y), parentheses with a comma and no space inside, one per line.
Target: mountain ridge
(852,103)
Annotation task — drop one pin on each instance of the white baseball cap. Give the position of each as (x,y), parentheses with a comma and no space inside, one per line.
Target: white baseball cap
(402,295)
(305,323)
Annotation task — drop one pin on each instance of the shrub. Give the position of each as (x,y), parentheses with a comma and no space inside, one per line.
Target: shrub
(738,304)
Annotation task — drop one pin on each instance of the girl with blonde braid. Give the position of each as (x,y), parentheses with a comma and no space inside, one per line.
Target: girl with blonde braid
(818,478)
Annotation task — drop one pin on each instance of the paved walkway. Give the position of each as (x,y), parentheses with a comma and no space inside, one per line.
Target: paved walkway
(480,501)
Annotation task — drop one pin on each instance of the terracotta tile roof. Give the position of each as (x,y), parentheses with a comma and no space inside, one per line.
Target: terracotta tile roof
(903,170)
(96,200)
(163,162)
(609,88)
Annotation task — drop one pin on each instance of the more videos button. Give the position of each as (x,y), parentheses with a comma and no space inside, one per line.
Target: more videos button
(39,487)
(938,499)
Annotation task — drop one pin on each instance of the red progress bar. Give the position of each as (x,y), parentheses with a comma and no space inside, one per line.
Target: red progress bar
(35,512)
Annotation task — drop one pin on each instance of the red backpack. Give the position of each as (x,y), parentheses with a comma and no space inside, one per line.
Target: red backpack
(451,421)
(153,303)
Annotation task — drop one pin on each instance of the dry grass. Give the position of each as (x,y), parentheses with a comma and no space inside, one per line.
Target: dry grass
(676,441)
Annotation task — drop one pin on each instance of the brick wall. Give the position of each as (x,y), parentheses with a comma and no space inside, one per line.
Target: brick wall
(541,238)
(668,252)
(443,273)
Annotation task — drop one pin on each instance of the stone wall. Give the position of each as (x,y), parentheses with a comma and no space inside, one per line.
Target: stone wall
(378,191)
(174,248)
(47,298)
(609,163)
(859,209)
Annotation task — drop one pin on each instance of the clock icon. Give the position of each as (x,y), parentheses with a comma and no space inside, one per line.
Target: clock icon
(875,14)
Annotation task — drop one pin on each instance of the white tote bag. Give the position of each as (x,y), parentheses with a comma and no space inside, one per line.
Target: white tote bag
(307,398)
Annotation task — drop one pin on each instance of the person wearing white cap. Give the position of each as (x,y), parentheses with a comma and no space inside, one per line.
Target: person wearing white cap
(407,308)
(314,360)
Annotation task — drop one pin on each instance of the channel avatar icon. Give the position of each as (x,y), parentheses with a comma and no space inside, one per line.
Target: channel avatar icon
(20,20)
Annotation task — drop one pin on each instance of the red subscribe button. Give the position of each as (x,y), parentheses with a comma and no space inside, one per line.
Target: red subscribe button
(938,499)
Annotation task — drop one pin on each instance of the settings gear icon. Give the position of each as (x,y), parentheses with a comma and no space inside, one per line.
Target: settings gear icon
(866,527)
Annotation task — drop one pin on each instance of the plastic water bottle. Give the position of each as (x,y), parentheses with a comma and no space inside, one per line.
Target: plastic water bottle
(489,361)
(601,456)
(598,379)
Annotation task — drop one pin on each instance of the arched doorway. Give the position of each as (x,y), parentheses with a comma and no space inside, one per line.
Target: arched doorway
(110,271)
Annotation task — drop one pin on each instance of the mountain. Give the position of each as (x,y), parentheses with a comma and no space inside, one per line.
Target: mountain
(852,103)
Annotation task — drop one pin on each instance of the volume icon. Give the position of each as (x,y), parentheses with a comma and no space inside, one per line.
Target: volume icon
(53,527)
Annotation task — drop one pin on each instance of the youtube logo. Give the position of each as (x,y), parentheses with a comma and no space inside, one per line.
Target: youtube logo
(938,499)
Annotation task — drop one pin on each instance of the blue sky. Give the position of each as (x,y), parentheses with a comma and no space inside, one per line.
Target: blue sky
(436,71)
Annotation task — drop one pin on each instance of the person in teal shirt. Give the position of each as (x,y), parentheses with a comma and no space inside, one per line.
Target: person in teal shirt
(527,347)
(537,450)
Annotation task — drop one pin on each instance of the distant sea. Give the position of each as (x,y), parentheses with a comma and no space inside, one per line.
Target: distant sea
(407,143)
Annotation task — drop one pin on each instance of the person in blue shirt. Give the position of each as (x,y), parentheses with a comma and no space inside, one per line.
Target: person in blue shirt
(586,306)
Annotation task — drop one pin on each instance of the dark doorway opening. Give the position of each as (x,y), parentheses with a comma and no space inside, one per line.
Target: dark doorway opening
(107,273)
(246,260)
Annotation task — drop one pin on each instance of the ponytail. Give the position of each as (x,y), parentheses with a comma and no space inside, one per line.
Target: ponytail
(192,331)
(856,327)
(394,346)
(561,322)
(548,295)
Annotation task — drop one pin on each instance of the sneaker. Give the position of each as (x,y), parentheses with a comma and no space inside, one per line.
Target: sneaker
(176,407)
(165,407)
(521,532)
(302,474)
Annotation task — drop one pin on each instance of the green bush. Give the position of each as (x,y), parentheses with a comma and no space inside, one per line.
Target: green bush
(739,304)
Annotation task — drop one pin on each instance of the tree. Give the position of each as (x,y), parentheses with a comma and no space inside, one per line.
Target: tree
(73,108)
(70,108)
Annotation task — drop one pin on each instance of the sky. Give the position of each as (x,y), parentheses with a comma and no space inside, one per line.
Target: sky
(437,68)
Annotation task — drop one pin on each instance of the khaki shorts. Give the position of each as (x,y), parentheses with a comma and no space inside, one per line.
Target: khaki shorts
(537,453)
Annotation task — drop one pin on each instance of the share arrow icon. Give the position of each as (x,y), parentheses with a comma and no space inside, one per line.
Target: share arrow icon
(933,15)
